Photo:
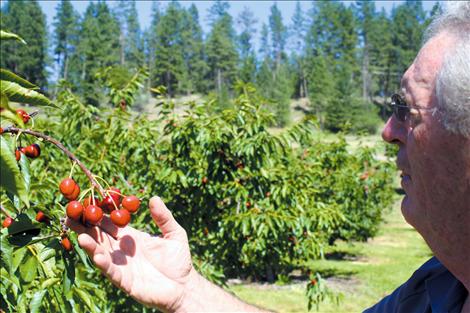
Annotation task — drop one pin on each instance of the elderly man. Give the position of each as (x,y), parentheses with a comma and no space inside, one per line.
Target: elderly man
(430,125)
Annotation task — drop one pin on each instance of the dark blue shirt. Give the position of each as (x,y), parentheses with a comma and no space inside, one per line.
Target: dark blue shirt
(432,288)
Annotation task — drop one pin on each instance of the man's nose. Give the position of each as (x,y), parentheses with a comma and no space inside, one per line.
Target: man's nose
(394,131)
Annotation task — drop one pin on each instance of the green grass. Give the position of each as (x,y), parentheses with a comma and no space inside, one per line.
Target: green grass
(363,272)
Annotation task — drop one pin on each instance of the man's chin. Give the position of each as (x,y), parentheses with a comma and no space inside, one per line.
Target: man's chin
(407,210)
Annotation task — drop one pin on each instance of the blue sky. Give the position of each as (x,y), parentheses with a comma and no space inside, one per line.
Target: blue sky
(260,9)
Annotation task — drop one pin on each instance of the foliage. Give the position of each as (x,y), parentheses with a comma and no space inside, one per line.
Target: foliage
(253,203)
(26,19)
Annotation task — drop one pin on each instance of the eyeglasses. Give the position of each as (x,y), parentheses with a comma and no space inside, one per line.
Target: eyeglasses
(402,111)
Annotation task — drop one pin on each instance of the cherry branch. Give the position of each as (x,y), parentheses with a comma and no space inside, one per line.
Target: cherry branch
(61,147)
(4,211)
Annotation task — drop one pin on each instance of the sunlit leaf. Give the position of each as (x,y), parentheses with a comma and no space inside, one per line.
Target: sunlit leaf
(11,178)
(18,93)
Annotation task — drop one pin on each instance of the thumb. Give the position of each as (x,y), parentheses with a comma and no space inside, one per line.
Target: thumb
(164,219)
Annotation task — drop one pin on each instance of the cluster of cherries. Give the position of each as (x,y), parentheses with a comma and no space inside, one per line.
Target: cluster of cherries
(91,210)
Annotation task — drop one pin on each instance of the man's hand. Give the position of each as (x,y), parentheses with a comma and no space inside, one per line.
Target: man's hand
(154,270)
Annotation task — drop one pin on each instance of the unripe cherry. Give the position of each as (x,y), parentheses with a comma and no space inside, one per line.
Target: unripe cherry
(120,217)
(93,214)
(74,210)
(131,203)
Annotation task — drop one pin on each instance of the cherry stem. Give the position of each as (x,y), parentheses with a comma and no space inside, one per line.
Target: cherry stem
(5,211)
(94,183)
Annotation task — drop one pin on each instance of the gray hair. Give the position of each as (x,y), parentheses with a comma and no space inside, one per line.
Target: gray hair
(453,79)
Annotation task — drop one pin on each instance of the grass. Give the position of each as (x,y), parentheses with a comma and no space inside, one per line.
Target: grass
(363,272)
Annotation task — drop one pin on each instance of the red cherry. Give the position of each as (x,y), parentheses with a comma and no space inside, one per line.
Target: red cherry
(41,217)
(66,244)
(109,204)
(33,151)
(89,200)
(248,204)
(205,180)
(23,115)
(1,130)
(74,210)
(23,150)
(7,222)
(116,195)
(120,217)
(74,194)
(93,214)
(67,186)
(17,154)
(131,203)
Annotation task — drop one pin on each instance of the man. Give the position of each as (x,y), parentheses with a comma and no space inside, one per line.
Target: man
(430,125)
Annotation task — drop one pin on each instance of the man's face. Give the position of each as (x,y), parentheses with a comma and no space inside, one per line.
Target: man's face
(435,164)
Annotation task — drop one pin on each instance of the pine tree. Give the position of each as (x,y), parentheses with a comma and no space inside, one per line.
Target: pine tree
(221,50)
(281,88)
(332,40)
(169,61)
(26,19)
(98,48)
(297,36)
(278,35)
(151,42)
(130,39)
(247,22)
(195,67)
(65,37)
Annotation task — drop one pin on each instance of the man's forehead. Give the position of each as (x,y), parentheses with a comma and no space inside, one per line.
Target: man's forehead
(425,67)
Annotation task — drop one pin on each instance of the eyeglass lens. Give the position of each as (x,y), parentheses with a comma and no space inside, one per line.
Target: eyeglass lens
(399,107)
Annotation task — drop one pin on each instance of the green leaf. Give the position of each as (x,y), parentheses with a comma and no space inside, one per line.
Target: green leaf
(29,270)
(11,178)
(9,114)
(69,274)
(6,251)
(37,300)
(22,224)
(18,257)
(12,77)
(49,282)
(4,102)
(17,93)
(85,296)
(6,35)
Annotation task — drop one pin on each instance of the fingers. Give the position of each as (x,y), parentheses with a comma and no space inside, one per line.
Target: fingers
(164,219)
(100,257)
(117,232)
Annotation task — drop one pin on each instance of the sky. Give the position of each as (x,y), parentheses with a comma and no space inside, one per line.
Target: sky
(260,9)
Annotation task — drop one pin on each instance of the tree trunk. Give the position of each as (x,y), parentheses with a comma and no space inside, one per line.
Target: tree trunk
(365,73)
(66,67)
(122,42)
(219,81)
(168,85)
